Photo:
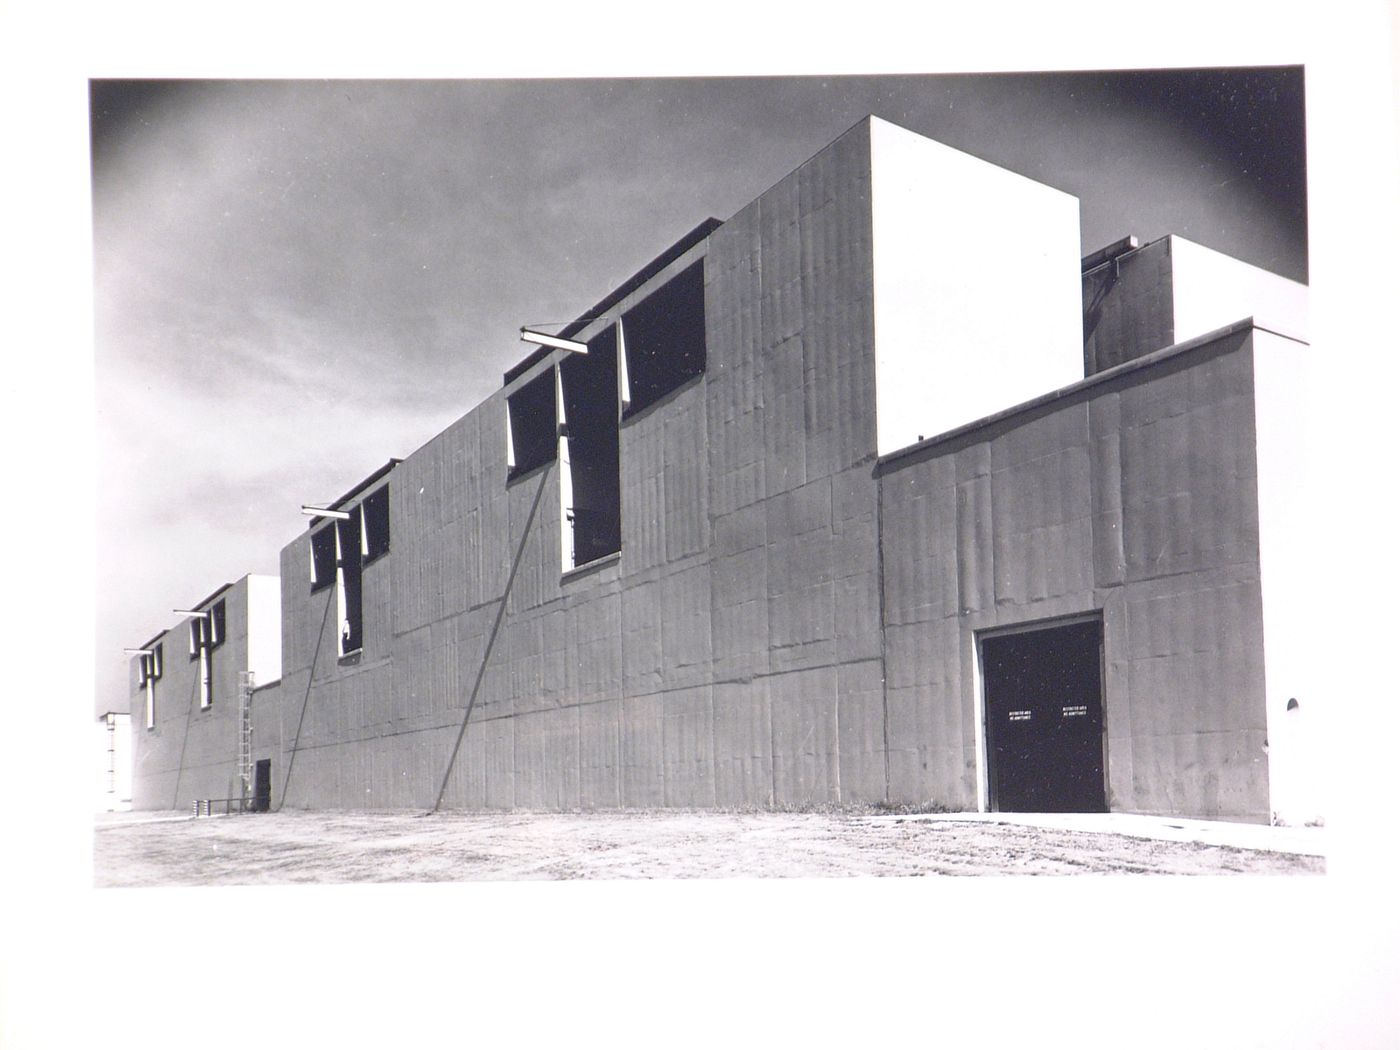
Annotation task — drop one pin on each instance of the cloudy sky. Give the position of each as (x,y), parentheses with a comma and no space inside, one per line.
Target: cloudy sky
(296,280)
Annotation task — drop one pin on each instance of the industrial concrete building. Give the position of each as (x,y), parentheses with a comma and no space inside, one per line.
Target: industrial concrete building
(876,492)
(192,684)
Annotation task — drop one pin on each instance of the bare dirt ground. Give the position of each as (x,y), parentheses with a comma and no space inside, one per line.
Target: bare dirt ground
(296,847)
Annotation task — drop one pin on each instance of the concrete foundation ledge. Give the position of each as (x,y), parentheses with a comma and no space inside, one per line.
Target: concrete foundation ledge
(1304,840)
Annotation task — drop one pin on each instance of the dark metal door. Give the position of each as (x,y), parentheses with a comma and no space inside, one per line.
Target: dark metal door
(262,785)
(1044,710)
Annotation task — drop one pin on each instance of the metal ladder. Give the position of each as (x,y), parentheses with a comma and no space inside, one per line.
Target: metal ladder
(245,733)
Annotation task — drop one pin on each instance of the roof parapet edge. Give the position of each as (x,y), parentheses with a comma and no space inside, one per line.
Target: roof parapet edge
(1049,398)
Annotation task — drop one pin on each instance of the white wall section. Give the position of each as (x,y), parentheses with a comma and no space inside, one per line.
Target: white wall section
(1211,290)
(265,628)
(1286,558)
(977,297)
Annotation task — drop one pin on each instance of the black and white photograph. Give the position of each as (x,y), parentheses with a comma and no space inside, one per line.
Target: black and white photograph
(836,461)
(736,494)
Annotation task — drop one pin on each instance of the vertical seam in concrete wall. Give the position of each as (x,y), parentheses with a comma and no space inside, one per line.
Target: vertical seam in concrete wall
(707,550)
(578,741)
(707,466)
(619,734)
(880,587)
(491,641)
(310,680)
(992,544)
(767,493)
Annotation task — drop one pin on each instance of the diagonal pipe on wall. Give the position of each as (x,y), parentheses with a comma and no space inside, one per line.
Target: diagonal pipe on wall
(189,716)
(310,678)
(491,641)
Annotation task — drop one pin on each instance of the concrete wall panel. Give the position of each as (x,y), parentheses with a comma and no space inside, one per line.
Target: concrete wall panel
(924,700)
(976,546)
(594,627)
(1187,471)
(861,731)
(411,695)
(739,595)
(805,739)
(495,556)
(642,665)
(537,579)
(473,633)
(779,217)
(685,487)
(642,481)
(801,602)
(1042,522)
(1209,776)
(497,736)
(837,319)
(1106,490)
(428,498)
(525,643)
(685,626)
(922,579)
(1128,307)
(466,784)
(743,744)
(643,784)
(687,741)
(733,382)
(547,759)
(1193,655)
(784,463)
(600,754)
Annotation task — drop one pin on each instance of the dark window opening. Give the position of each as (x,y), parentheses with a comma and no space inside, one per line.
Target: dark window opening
(532,433)
(375,514)
(348,566)
(203,630)
(665,338)
(149,668)
(589,384)
(216,625)
(206,635)
(322,558)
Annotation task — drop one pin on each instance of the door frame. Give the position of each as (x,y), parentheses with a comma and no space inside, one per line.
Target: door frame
(981,730)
